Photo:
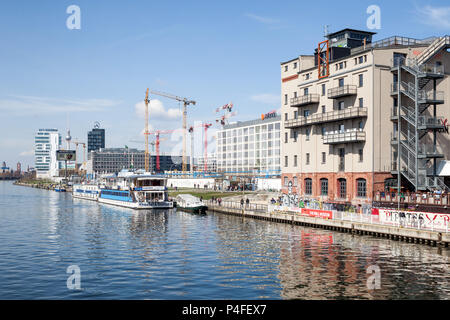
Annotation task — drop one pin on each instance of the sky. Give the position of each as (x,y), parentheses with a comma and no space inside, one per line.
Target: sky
(209,51)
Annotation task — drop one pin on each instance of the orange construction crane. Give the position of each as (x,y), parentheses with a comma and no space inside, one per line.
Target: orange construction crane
(157,143)
(186,102)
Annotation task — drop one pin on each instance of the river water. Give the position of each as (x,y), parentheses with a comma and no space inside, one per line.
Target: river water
(127,254)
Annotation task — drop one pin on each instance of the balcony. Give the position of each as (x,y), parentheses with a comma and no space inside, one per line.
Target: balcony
(431,97)
(394,113)
(344,91)
(331,116)
(349,136)
(428,151)
(305,100)
(429,122)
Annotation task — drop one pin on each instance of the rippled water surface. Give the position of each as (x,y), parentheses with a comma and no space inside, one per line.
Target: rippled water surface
(126,254)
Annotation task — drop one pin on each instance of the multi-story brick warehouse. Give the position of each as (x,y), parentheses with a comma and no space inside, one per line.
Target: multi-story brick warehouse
(339,129)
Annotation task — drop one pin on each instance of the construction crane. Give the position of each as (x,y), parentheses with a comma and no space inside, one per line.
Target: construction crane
(153,144)
(84,151)
(157,143)
(228,108)
(147,153)
(186,102)
(206,126)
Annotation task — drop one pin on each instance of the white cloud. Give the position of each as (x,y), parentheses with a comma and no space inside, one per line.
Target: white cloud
(262,19)
(438,17)
(266,98)
(156,111)
(25,105)
(27,153)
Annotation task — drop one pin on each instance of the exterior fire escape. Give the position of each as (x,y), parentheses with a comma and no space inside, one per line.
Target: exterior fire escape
(414,142)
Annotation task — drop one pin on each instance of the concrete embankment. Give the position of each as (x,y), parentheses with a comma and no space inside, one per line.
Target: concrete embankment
(428,237)
(40,186)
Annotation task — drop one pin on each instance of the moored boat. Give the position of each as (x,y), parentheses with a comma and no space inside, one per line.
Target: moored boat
(190,203)
(86,191)
(136,190)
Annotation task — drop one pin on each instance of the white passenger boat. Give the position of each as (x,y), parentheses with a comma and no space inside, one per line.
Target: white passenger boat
(137,190)
(188,202)
(86,191)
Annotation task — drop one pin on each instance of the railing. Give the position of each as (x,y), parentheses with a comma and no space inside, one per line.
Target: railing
(393,41)
(344,137)
(430,121)
(426,68)
(331,116)
(431,95)
(394,112)
(429,150)
(421,198)
(345,90)
(305,100)
(237,205)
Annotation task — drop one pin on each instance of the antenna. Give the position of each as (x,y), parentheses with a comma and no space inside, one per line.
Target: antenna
(326,30)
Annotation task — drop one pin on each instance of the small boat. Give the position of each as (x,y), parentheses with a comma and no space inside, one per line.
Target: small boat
(189,203)
(86,191)
(60,189)
(136,190)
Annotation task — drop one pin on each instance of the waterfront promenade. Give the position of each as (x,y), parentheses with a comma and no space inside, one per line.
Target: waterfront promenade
(348,222)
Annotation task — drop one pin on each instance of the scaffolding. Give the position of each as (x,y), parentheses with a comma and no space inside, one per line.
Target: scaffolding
(414,143)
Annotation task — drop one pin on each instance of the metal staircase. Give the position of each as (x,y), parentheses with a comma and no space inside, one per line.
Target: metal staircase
(416,156)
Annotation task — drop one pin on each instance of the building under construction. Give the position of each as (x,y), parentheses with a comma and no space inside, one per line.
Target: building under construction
(360,116)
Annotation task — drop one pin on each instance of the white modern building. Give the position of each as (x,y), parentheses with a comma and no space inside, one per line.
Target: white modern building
(46,143)
(250,148)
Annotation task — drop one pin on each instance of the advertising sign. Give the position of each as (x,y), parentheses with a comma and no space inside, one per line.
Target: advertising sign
(324,214)
(66,155)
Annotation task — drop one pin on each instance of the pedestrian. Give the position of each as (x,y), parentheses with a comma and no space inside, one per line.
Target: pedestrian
(247,202)
(220,201)
(242,202)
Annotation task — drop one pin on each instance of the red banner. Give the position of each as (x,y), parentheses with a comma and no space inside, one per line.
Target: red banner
(318,213)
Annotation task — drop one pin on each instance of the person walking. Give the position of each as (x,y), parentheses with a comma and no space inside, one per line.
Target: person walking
(242,203)
(247,202)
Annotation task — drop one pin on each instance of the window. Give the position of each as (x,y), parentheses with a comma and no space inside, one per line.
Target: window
(285,99)
(295,114)
(285,117)
(285,161)
(285,181)
(295,160)
(323,109)
(324,157)
(285,68)
(323,131)
(285,137)
(360,153)
(323,89)
(306,91)
(308,186)
(295,181)
(341,65)
(306,113)
(361,102)
(361,80)
(361,125)
(324,187)
(341,82)
(308,131)
(307,158)
(295,65)
(341,105)
(342,184)
(307,76)
(361,59)
(341,128)
(361,188)
(295,136)
(295,94)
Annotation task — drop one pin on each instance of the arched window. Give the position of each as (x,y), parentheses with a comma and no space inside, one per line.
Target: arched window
(342,188)
(324,187)
(308,186)
(361,187)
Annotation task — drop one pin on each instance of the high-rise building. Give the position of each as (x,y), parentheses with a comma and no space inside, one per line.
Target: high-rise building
(46,143)
(96,138)
(250,147)
(361,117)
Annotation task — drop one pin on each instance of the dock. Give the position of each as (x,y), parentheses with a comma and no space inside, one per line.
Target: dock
(398,233)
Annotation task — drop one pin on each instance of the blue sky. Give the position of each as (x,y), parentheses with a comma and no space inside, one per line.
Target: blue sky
(213,52)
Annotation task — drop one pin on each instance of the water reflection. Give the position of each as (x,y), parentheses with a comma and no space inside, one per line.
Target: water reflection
(128,254)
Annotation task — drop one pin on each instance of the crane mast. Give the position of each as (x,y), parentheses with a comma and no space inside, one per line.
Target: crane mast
(147,154)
